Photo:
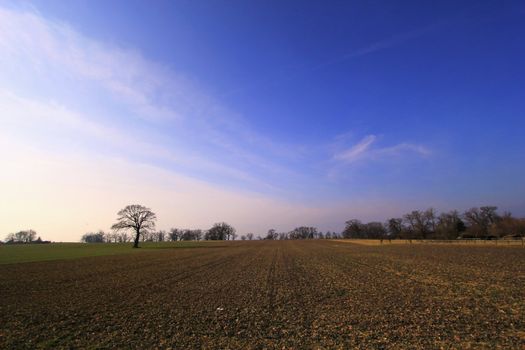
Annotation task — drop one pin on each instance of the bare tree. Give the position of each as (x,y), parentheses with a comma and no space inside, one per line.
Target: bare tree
(480,219)
(354,229)
(175,234)
(272,234)
(395,227)
(159,236)
(27,236)
(508,225)
(450,225)
(137,218)
(303,232)
(421,224)
(220,231)
(374,230)
(249,236)
(185,234)
(124,237)
(94,237)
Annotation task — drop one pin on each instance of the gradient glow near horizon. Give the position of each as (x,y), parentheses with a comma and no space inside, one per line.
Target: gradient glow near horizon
(263,114)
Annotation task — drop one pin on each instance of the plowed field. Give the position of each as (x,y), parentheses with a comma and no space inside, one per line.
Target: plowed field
(270,295)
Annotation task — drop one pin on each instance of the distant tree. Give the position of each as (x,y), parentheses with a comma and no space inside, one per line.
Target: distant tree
(374,230)
(354,229)
(197,235)
(190,235)
(480,219)
(303,232)
(395,227)
(174,234)
(430,217)
(272,234)
(112,237)
(507,225)
(283,236)
(449,225)
(220,231)
(420,224)
(148,236)
(94,237)
(26,236)
(137,218)
(159,236)
(243,237)
(123,237)
(30,236)
(249,236)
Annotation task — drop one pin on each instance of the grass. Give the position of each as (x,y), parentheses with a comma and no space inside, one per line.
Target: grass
(18,253)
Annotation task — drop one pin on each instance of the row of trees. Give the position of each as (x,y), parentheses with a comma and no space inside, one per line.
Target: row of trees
(23,237)
(302,232)
(219,231)
(106,237)
(141,222)
(481,223)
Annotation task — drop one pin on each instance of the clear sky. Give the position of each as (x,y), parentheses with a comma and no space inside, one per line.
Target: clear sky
(264,114)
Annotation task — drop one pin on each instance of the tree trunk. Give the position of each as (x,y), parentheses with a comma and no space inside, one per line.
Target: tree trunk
(136,244)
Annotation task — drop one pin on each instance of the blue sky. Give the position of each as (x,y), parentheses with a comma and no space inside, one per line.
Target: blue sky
(311,112)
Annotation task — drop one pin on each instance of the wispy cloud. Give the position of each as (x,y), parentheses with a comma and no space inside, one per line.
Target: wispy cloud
(291,73)
(358,150)
(364,150)
(380,45)
(402,148)
(27,119)
(45,44)
(178,121)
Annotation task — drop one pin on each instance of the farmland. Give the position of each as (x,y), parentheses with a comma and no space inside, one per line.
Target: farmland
(17,253)
(270,294)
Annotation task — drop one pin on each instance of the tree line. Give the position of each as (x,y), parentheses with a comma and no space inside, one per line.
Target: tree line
(302,232)
(137,223)
(477,223)
(24,237)
(219,231)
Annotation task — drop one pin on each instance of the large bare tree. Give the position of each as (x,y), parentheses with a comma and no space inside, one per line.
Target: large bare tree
(137,218)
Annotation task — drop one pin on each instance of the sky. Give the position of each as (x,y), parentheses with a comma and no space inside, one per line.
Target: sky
(263,114)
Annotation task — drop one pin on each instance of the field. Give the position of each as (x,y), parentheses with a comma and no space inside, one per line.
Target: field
(270,295)
(18,253)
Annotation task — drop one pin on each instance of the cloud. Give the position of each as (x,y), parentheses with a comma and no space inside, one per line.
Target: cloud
(358,150)
(380,45)
(43,60)
(364,150)
(402,148)
(62,196)
(126,74)
(37,122)
(87,127)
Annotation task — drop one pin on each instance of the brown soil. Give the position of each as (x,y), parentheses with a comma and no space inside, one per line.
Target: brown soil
(270,295)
